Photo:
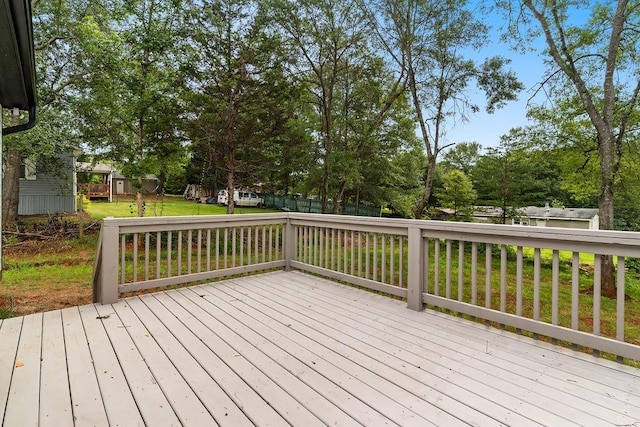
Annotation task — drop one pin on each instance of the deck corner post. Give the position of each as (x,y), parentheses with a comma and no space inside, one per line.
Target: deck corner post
(415,280)
(288,243)
(108,279)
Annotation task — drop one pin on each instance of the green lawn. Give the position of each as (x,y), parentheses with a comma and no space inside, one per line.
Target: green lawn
(160,206)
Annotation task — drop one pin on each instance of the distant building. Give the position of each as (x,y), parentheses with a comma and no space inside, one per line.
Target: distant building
(535,216)
(112,183)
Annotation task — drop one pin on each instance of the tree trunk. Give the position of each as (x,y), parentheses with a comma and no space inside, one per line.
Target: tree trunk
(140,203)
(11,188)
(608,167)
(324,191)
(428,186)
(230,186)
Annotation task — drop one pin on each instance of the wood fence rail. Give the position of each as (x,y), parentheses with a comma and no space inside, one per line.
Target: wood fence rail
(545,281)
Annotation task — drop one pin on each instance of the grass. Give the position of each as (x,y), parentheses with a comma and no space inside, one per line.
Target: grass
(126,207)
(46,275)
(49,274)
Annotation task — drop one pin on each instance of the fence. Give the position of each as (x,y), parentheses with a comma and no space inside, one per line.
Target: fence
(545,281)
(315,206)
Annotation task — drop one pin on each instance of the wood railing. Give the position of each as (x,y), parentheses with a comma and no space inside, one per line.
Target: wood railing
(95,190)
(544,281)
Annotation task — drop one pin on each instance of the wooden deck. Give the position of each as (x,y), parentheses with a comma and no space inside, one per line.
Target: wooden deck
(291,349)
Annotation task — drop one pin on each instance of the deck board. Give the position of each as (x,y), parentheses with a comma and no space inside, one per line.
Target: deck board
(286,348)
(55,400)
(25,395)
(507,386)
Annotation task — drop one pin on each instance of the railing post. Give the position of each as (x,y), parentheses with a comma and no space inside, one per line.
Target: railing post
(288,242)
(415,280)
(108,279)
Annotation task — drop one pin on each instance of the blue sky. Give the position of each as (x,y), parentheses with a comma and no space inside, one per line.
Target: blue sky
(530,69)
(487,128)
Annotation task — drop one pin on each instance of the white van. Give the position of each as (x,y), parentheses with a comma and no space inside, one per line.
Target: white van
(241,198)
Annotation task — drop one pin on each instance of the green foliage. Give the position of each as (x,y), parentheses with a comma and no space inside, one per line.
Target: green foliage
(426,40)
(129,97)
(457,193)
(463,156)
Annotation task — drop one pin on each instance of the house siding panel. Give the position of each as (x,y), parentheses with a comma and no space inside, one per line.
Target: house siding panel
(45,204)
(49,193)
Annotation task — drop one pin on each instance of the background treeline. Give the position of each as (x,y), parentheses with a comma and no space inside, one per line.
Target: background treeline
(346,101)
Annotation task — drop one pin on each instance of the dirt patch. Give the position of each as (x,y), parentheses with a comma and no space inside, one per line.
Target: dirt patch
(50,299)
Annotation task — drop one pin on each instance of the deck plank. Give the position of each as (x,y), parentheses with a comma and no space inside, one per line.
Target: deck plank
(9,339)
(585,392)
(589,388)
(147,333)
(267,403)
(287,348)
(151,401)
(216,385)
(398,404)
(398,372)
(87,404)
(24,395)
(325,399)
(118,401)
(55,400)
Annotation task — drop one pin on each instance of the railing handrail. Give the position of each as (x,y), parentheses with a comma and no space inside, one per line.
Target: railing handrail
(606,237)
(415,234)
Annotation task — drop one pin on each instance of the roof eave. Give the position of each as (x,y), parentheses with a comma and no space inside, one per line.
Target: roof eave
(17,59)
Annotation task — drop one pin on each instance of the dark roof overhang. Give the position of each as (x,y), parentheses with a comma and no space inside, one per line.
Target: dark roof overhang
(17,61)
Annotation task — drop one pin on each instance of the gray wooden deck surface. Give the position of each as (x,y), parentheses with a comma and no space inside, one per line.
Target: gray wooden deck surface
(291,349)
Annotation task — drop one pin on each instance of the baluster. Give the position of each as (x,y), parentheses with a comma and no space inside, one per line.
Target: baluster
(575,290)
(158,253)
(503,278)
(383,277)
(147,243)
(179,253)
(426,264)
(208,249)
(169,250)
(375,257)
(353,253)
(401,261)
(474,273)
(536,284)
(123,250)
(487,281)
(448,245)
(189,249)
(199,251)
(620,283)
(555,267)
(519,267)
(135,257)
(597,292)
(367,252)
(241,261)
(460,270)
(436,267)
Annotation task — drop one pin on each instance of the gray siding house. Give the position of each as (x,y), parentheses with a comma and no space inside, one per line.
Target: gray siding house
(534,216)
(48,189)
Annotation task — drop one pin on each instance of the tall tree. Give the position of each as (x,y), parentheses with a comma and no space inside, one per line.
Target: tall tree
(463,156)
(427,40)
(331,55)
(517,173)
(58,39)
(133,91)
(242,99)
(597,58)
(457,193)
